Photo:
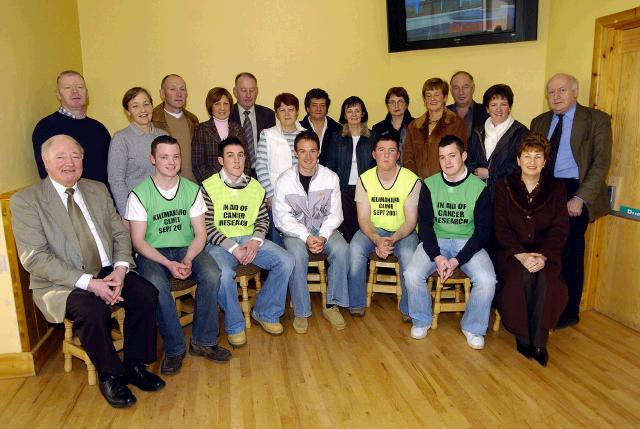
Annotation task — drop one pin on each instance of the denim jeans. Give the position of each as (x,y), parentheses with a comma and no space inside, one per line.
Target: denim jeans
(337,251)
(271,299)
(206,274)
(360,248)
(479,269)
(273,234)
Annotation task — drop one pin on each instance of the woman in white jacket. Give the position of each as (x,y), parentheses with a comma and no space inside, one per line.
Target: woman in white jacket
(275,150)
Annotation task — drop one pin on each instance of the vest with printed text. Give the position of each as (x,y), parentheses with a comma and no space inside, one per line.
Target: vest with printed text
(387,205)
(168,221)
(235,210)
(453,205)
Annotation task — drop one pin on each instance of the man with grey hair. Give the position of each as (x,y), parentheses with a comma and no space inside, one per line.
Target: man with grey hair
(71,119)
(73,244)
(171,116)
(462,88)
(580,140)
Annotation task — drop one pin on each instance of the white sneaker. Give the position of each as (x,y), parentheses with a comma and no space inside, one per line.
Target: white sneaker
(418,333)
(475,341)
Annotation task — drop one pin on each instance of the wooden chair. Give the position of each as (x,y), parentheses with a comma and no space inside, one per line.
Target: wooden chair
(181,289)
(317,276)
(496,321)
(244,274)
(447,296)
(71,346)
(380,282)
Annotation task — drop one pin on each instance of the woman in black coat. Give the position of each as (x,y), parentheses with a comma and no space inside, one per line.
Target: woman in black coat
(349,154)
(531,225)
(492,148)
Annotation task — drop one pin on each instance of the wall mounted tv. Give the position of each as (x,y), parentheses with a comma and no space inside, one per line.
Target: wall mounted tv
(429,24)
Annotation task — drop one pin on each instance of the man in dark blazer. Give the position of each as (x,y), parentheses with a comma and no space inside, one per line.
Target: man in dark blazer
(473,114)
(580,157)
(252,117)
(74,245)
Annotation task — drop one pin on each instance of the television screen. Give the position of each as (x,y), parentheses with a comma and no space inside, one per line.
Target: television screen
(425,24)
(429,20)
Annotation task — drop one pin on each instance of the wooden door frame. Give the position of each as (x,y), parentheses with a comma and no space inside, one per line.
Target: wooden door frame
(603,47)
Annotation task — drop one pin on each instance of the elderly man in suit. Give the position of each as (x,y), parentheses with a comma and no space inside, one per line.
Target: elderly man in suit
(78,253)
(252,117)
(580,139)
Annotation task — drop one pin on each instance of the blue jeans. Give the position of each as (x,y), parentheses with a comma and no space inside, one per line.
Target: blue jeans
(337,251)
(273,234)
(479,269)
(271,299)
(361,246)
(206,274)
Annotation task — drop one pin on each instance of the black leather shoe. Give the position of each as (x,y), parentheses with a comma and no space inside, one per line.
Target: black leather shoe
(171,364)
(117,393)
(541,355)
(138,375)
(566,321)
(215,353)
(524,349)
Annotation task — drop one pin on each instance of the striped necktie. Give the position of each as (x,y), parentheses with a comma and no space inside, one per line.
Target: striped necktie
(248,135)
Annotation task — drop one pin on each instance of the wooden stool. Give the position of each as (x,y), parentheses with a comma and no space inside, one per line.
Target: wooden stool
(452,297)
(496,321)
(383,283)
(180,289)
(71,346)
(317,281)
(244,274)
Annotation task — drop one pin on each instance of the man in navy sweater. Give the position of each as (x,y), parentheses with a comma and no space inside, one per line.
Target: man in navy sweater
(71,119)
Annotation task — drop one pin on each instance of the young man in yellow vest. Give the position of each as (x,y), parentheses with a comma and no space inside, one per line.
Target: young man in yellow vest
(387,203)
(166,213)
(237,224)
(454,223)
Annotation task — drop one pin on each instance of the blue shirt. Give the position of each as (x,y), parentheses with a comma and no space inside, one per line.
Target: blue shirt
(566,166)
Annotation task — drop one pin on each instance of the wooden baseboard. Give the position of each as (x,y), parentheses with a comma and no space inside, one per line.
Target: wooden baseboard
(26,364)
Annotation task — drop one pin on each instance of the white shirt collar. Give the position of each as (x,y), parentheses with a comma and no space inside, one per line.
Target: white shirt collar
(61,189)
(175,115)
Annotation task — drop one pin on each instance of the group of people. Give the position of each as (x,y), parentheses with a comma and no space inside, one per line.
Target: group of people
(463,186)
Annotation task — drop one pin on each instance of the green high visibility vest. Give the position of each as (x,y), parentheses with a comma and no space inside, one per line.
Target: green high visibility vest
(387,205)
(453,205)
(235,210)
(168,221)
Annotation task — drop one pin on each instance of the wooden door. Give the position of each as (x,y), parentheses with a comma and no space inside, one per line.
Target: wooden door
(613,256)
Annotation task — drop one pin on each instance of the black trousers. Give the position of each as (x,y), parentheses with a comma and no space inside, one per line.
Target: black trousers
(349,225)
(535,295)
(573,254)
(92,322)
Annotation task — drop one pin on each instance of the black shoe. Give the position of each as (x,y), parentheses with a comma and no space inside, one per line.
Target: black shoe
(541,355)
(117,393)
(215,353)
(524,349)
(566,321)
(138,375)
(171,364)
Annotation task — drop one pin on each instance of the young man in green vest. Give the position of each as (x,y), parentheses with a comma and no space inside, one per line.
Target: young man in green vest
(166,213)
(387,203)
(454,223)
(237,223)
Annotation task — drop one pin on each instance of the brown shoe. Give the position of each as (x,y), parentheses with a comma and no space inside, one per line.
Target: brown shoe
(214,353)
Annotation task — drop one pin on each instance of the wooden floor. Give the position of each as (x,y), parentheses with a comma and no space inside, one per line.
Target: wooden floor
(371,375)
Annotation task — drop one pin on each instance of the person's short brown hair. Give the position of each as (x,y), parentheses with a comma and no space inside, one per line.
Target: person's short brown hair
(398,91)
(68,73)
(287,99)
(498,91)
(133,93)
(245,74)
(214,95)
(436,83)
(534,142)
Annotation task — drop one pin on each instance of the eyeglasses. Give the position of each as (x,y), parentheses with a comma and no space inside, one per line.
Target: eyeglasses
(398,103)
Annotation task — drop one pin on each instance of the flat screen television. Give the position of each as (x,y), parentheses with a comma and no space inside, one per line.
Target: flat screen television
(429,24)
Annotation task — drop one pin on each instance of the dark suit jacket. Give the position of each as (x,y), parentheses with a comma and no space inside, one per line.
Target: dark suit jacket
(48,246)
(265,118)
(480,115)
(591,147)
(332,127)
